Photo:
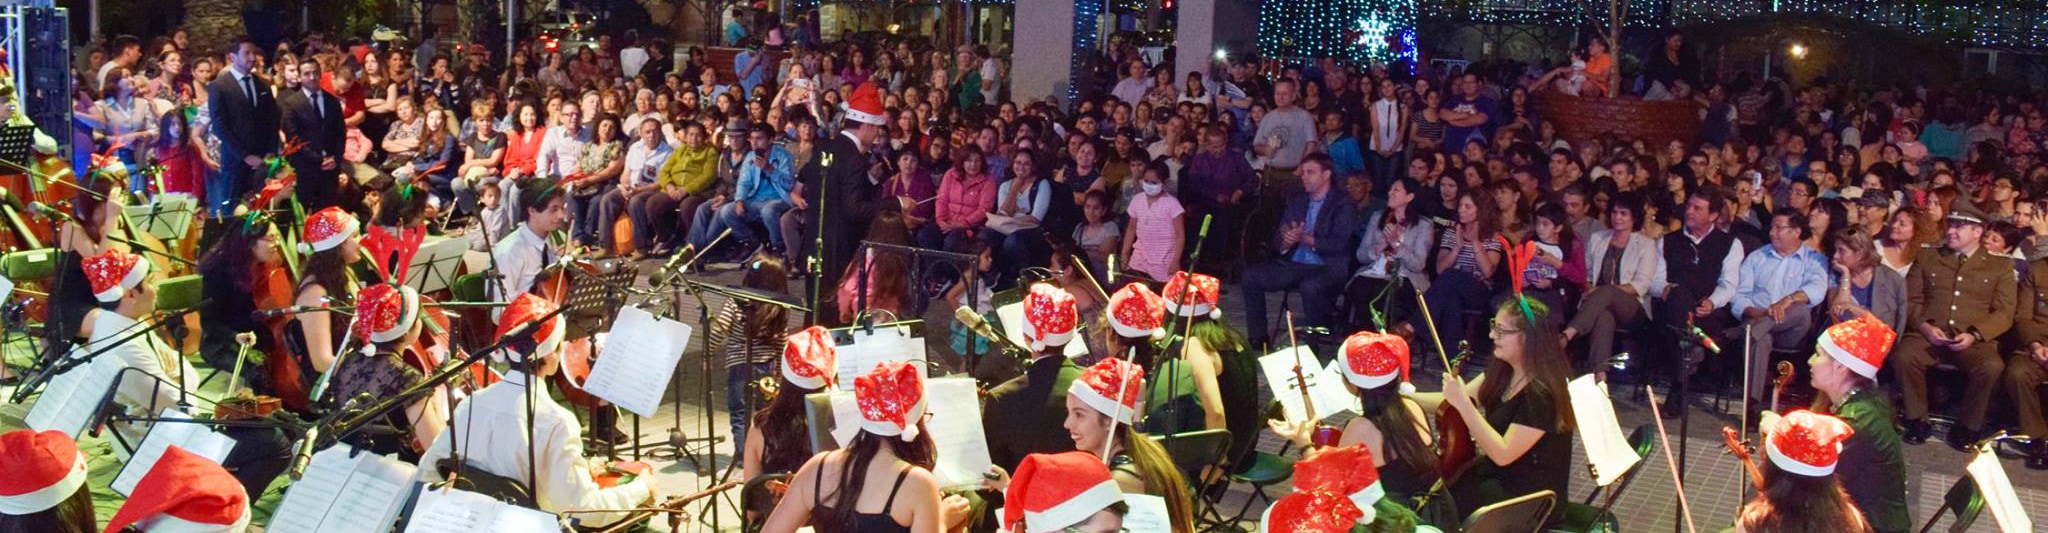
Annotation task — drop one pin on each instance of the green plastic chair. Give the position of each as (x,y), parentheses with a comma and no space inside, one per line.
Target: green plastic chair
(1524,514)
(1964,501)
(179,293)
(469,288)
(30,265)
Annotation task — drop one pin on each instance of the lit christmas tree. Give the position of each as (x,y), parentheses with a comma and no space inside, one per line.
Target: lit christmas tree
(1358,31)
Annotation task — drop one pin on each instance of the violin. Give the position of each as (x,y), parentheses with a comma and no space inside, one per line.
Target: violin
(577,354)
(1454,448)
(244,405)
(1323,434)
(434,348)
(1732,438)
(282,368)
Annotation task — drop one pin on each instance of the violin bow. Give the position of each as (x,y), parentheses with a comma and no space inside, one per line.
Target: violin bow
(1664,438)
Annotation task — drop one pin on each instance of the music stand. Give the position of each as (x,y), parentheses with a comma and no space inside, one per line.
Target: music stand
(434,267)
(167,217)
(595,298)
(14,144)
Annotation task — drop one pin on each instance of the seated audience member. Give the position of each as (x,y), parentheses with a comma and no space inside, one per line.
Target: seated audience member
(1314,244)
(1960,299)
(1777,289)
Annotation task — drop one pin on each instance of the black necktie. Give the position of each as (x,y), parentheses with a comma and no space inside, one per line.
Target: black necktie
(249,84)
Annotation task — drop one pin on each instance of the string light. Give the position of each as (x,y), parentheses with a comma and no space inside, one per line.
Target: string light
(1353,30)
(1086,14)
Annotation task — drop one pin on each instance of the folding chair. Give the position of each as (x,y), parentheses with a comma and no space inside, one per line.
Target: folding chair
(1522,514)
(1584,517)
(1197,453)
(758,498)
(1964,501)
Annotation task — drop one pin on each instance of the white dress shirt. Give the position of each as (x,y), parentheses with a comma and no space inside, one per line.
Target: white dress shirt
(643,164)
(560,150)
(493,424)
(136,392)
(520,257)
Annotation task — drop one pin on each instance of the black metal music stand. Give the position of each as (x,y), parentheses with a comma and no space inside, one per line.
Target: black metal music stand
(745,298)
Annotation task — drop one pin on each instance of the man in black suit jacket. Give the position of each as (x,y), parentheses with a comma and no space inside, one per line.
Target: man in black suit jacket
(851,187)
(245,120)
(1315,244)
(312,120)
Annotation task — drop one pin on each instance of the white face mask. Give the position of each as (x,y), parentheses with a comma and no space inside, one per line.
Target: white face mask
(1152,189)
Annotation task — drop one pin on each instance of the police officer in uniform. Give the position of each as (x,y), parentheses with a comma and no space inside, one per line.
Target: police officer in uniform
(2028,369)
(1960,298)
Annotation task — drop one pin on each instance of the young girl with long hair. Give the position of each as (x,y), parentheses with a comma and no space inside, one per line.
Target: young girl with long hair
(1800,495)
(1393,426)
(882,481)
(50,463)
(1138,465)
(747,337)
(1518,412)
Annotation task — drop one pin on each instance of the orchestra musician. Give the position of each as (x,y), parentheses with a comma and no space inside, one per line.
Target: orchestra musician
(1189,392)
(882,481)
(1341,482)
(1801,492)
(1136,319)
(184,493)
(388,322)
(126,290)
(493,426)
(1517,411)
(521,255)
(1393,427)
(95,216)
(1873,463)
(1068,492)
(778,441)
(1023,416)
(44,490)
(234,273)
(1101,407)
(329,236)
(747,337)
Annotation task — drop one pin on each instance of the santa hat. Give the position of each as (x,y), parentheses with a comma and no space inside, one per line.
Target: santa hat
(113,273)
(1373,359)
(1207,292)
(1134,311)
(1097,386)
(810,358)
(326,229)
(384,312)
(1314,511)
(1050,316)
(44,469)
(1806,443)
(546,336)
(1860,344)
(891,399)
(1346,471)
(1054,491)
(184,493)
(865,106)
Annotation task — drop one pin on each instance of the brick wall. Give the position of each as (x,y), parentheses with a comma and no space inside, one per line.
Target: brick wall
(1628,118)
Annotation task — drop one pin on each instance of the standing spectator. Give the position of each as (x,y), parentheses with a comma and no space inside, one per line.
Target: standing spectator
(1960,299)
(750,66)
(126,52)
(1314,244)
(245,120)
(1778,287)
(1135,83)
(1388,125)
(1467,115)
(1153,243)
(124,121)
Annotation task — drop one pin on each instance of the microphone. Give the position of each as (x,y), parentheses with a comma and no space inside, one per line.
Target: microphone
(671,267)
(1112,269)
(44,210)
(293,310)
(1705,340)
(978,325)
(1204,234)
(304,452)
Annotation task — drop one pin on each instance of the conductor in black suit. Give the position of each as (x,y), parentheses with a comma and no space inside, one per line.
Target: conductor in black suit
(245,120)
(312,120)
(852,188)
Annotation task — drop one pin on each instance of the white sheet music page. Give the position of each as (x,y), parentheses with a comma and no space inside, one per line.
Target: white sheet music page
(196,438)
(638,360)
(461,511)
(845,418)
(1147,514)
(1607,449)
(68,403)
(956,432)
(1012,318)
(1999,495)
(870,349)
(344,494)
(1279,369)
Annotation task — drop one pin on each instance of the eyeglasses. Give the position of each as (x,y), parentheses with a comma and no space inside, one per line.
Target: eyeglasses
(1501,329)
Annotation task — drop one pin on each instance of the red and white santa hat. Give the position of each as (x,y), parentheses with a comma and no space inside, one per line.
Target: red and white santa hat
(1203,299)
(1312,511)
(184,493)
(1098,386)
(810,358)
(1135,311)
(891,399)
(1055,491)
(1373,359)
(326,229)
(43,470)
(546,336)
(1806,443)
(1050,316)
(384,312)
(865,106)
(1860,344)
(113,272)
(1347,471)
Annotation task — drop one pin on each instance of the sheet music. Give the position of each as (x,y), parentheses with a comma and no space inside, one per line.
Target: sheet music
(199,439)
(1607,450)
(1999,496)
(845,418)
(166,217)
(1012,319)
(1325,386)
(6,288)
(1147,514)
(956,432)
(638,360)
(344,494)
(71,399)
(868,350)
(461,511)
(441,255)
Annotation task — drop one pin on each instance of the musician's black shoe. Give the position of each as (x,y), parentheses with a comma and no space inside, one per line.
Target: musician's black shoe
(1916,432)
(2037,455)
(1960,437)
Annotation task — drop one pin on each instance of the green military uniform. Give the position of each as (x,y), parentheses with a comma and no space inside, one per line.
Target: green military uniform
(1960,294)
(1873,465)
(2022,372)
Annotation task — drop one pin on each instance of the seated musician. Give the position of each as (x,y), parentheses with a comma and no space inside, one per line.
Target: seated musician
(388,320)
(329,236)
(236,274)
(1337,483)
(882,481)
(44,490)
(95,216)
(1068,492)
(1022,416)
(1517,411)
(1100,418)
(1375,368)
(490,429)
(778,440)
(1190,393)
(519,257)
(184,493)
(124,286)
(1873,463)
(1800,490)
(1136,319)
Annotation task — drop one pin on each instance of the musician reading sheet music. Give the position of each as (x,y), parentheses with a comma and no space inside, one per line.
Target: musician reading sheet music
(520,256)
(490,429)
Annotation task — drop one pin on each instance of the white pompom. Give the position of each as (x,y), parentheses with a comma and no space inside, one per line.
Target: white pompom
(1407,389)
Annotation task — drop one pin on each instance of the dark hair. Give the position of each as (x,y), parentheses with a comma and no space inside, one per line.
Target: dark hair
(2010,232)
(536,193)
(853,476)
(86,208)
(1555,214)
(1403,445)
(73,515)
(1547,367)
(1797,219)
(1410,213)
(785,433)
(327,268)
(1628,202)
(1489,226)
(765,272)
(1794,503)
(232,259)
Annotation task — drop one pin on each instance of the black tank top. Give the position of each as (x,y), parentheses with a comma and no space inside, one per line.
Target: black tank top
(862,522)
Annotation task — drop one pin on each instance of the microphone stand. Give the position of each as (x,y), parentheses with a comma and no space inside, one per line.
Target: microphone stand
(696,290)
(65,365)
(1187,295)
